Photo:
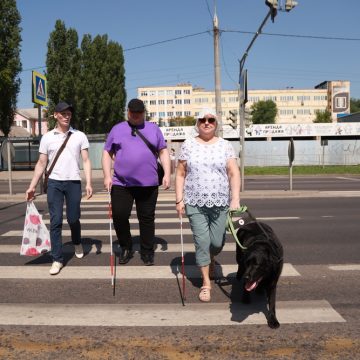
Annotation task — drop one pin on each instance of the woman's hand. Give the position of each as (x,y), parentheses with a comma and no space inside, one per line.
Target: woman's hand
(180,208)
(234,204)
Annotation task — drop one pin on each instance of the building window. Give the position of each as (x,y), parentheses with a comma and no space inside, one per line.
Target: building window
(303,98)
(161,92)
(161,102)
(152,93)
(179,113)
(187,113)
(177,92)
(187,92)
(152,114)
(178,101)
(143,93)
(152,102)
(161,114)
(186,101)
(286,98)
(269,97)
(340,102)
(169,92)
(170,114)
(169,102)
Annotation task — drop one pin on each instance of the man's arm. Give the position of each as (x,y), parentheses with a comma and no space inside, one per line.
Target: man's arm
(38,171)
(87,172)
(106,166)
(166,163)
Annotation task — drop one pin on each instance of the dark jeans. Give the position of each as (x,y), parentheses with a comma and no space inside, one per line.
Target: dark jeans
(56,193)
(122,199)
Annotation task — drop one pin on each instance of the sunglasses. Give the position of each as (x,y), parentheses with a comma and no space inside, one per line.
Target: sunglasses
(209,120)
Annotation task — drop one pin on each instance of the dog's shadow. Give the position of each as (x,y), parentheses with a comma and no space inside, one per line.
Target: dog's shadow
(240,309)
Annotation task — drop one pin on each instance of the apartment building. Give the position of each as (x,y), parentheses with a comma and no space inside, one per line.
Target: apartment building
(295,106)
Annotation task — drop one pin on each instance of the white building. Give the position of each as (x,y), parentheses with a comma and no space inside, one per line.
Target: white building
(295,106)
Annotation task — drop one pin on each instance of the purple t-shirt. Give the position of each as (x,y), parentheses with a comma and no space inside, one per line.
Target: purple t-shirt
(134,163)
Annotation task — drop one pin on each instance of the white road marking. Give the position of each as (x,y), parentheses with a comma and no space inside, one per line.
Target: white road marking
(123,272)
(349,267)
(347,178)
(193,314)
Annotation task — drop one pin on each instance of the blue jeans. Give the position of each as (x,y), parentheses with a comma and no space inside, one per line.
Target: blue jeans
(208,228)
(56,193)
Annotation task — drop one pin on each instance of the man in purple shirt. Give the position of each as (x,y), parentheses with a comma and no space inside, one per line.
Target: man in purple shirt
(135,177)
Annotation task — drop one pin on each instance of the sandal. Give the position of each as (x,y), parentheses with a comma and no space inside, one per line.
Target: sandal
(204,295)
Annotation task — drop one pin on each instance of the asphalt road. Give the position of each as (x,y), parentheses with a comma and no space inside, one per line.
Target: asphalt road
(76,314)
(20,183)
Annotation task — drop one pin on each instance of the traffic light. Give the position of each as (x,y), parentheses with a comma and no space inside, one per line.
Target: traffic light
(273,5)
(290,4)
(233,118)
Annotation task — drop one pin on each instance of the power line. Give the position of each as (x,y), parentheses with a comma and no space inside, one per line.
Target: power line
(165,41)
(296,35)
(211,16)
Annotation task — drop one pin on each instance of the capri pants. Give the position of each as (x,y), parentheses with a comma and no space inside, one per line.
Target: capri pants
(208,228)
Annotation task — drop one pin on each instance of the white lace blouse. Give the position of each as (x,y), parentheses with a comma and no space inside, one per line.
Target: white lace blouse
(206,181)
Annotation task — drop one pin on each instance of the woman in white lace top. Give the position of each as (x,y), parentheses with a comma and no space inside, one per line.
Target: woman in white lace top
(207,185)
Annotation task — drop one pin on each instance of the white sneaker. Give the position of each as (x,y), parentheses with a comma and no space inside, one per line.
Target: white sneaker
(79,252)
(56,267)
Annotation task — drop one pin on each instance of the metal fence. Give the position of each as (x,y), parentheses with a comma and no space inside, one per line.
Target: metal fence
(257,153)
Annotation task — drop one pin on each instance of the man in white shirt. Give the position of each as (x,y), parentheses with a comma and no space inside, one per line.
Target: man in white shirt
(64,181)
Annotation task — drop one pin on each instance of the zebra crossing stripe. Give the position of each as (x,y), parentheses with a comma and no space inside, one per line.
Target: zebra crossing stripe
(123,272)
(132,221)
(348,267)
(100,232)
(193,314)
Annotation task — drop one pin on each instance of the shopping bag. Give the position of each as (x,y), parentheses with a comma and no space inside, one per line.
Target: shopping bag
(36,237)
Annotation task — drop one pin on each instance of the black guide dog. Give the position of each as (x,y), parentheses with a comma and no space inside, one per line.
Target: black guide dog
(260,264)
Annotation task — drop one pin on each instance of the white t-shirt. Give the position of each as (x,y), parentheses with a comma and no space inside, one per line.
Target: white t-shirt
(206,182)
(67,166)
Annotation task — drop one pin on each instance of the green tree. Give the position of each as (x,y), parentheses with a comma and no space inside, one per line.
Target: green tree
(63,67)
(322,117)
(264,112)
(91,77)
(103,97)
(10,65)
(354,105)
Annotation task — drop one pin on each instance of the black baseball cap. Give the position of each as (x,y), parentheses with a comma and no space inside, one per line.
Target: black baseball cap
(136,105)
(62,106)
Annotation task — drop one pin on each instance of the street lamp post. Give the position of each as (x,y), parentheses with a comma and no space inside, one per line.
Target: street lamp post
(274,7)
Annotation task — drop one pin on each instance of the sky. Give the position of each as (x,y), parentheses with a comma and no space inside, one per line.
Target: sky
(325,45)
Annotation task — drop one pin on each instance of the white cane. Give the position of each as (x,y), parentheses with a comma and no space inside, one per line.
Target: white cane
(182,257)
(111,247)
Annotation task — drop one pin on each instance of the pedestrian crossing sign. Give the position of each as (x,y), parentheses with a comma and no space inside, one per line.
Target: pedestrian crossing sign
(39,89)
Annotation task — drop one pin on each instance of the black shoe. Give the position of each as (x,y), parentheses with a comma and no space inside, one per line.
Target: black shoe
(148,259)
(125,255)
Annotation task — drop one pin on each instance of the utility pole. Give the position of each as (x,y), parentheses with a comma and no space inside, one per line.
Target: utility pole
(217,75)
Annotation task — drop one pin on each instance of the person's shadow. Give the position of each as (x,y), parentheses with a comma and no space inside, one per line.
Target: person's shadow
(89,245)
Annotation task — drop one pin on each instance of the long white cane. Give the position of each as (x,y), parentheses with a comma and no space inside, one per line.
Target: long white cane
(182,257)
(111,247)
